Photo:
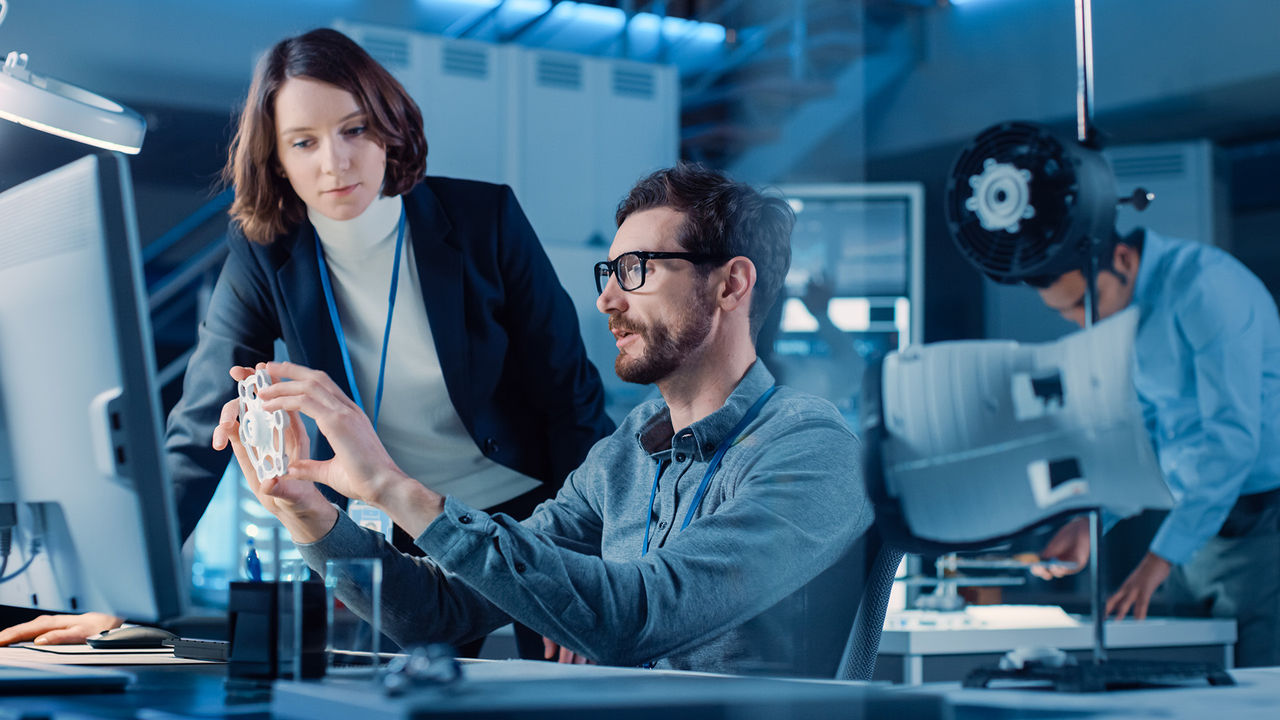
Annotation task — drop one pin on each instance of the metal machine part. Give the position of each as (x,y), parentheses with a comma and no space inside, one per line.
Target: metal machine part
(262,432)
(949,576)
(970,443)
(1021,203)
(1001,196)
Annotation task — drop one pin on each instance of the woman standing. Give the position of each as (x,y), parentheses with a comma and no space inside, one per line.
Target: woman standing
(428,300)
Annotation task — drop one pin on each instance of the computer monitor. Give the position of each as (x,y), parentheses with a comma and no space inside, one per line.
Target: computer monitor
(83,485)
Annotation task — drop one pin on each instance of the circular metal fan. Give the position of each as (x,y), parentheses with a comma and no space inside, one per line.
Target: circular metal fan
(1022,204)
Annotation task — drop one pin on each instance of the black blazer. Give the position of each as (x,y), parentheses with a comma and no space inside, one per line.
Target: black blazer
(505,331)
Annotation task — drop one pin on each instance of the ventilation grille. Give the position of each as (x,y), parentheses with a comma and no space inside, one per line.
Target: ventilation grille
(466,61)
(62,216)
(557,73)
(1149,165)
(633,83)
(391,51)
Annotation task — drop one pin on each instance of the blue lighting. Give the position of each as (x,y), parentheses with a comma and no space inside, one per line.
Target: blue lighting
(612,19)
(524,6)
(594,18)
(971,3)
(605,17)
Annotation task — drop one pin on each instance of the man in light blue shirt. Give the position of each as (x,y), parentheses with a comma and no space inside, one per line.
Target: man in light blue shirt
(1208,375)
(710,532)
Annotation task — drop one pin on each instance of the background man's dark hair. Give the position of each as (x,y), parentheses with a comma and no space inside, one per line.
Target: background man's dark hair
(723,217)
(1133,240)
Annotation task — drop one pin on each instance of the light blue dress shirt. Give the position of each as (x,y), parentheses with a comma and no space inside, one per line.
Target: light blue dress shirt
(1208,376)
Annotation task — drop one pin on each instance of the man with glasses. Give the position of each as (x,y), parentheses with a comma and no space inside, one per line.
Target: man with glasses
(707,533)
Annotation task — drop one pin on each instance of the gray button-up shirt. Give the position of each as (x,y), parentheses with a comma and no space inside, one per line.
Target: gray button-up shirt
(732,592)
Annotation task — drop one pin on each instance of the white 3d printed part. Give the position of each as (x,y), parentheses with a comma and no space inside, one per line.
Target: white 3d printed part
(262,432)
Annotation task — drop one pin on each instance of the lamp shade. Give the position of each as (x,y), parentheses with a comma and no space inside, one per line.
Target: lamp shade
(55,107)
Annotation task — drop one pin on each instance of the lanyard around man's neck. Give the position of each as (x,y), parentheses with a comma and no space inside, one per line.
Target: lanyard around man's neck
(729,440)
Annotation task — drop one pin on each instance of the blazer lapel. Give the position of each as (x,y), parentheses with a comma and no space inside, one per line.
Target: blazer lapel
(439,263)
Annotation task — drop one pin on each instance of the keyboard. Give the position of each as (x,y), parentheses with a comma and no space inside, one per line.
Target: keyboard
(1113,674)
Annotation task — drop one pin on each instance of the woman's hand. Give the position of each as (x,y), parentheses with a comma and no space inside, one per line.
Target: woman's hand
(297,502)
(60,629)
(360,469)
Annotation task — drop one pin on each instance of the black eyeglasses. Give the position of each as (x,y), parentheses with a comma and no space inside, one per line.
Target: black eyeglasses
(629,267)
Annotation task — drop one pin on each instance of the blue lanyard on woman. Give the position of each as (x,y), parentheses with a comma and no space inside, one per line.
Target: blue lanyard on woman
(714,465)
(337,324)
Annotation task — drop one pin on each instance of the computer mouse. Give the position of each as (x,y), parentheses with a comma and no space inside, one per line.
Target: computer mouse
(1032,655)
(136,636)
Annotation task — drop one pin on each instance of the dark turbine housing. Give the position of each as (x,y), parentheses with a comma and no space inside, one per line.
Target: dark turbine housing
(1022,204)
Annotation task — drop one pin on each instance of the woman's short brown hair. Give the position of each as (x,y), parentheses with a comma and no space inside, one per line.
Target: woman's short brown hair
(265,204)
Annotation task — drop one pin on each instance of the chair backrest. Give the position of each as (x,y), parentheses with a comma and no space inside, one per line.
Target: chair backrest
(858,662)
(844,609)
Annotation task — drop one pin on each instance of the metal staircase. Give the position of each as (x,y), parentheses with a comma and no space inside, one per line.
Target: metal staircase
(180,267)
(799,72)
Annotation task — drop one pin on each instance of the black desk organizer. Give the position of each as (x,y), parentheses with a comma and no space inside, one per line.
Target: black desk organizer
(260,628)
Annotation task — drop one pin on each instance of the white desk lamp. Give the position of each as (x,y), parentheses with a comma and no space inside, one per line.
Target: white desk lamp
(59,108)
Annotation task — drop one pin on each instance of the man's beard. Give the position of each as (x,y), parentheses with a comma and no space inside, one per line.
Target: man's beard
(664,349)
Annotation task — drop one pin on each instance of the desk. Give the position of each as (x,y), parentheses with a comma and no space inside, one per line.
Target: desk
(159,693)
(196,691)
(522,689)
(1255,697)
(932,654)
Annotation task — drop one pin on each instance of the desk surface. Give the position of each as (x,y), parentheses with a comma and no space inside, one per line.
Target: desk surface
(167,693)
(495,689)
(158,693)
(1149,633)
(528,689)
(1256,696)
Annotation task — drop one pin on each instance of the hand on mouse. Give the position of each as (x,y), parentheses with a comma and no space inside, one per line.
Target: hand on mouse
(60,629)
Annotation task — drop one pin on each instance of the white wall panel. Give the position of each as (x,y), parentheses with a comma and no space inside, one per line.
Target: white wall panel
(551,113)
(637,120)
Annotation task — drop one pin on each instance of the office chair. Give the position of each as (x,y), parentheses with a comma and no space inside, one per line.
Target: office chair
(858,661)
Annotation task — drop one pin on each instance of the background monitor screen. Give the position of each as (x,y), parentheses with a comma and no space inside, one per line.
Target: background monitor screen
(85,501)
(854,287)
(859,244)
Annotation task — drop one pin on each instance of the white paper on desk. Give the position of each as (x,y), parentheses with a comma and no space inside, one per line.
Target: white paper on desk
(146,657)
(981,617)
(1020,616)
(86,649)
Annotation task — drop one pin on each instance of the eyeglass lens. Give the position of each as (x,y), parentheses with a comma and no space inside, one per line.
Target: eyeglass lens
(629,268)
(630,271)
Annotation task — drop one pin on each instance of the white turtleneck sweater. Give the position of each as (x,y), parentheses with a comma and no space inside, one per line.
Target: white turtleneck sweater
(417,422)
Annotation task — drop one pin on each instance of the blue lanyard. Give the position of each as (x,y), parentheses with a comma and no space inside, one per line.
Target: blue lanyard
(714,465)
(337,324)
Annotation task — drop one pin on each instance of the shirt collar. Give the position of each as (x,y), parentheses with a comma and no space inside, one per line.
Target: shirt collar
(656,436)
(351,240)
(1153,250)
